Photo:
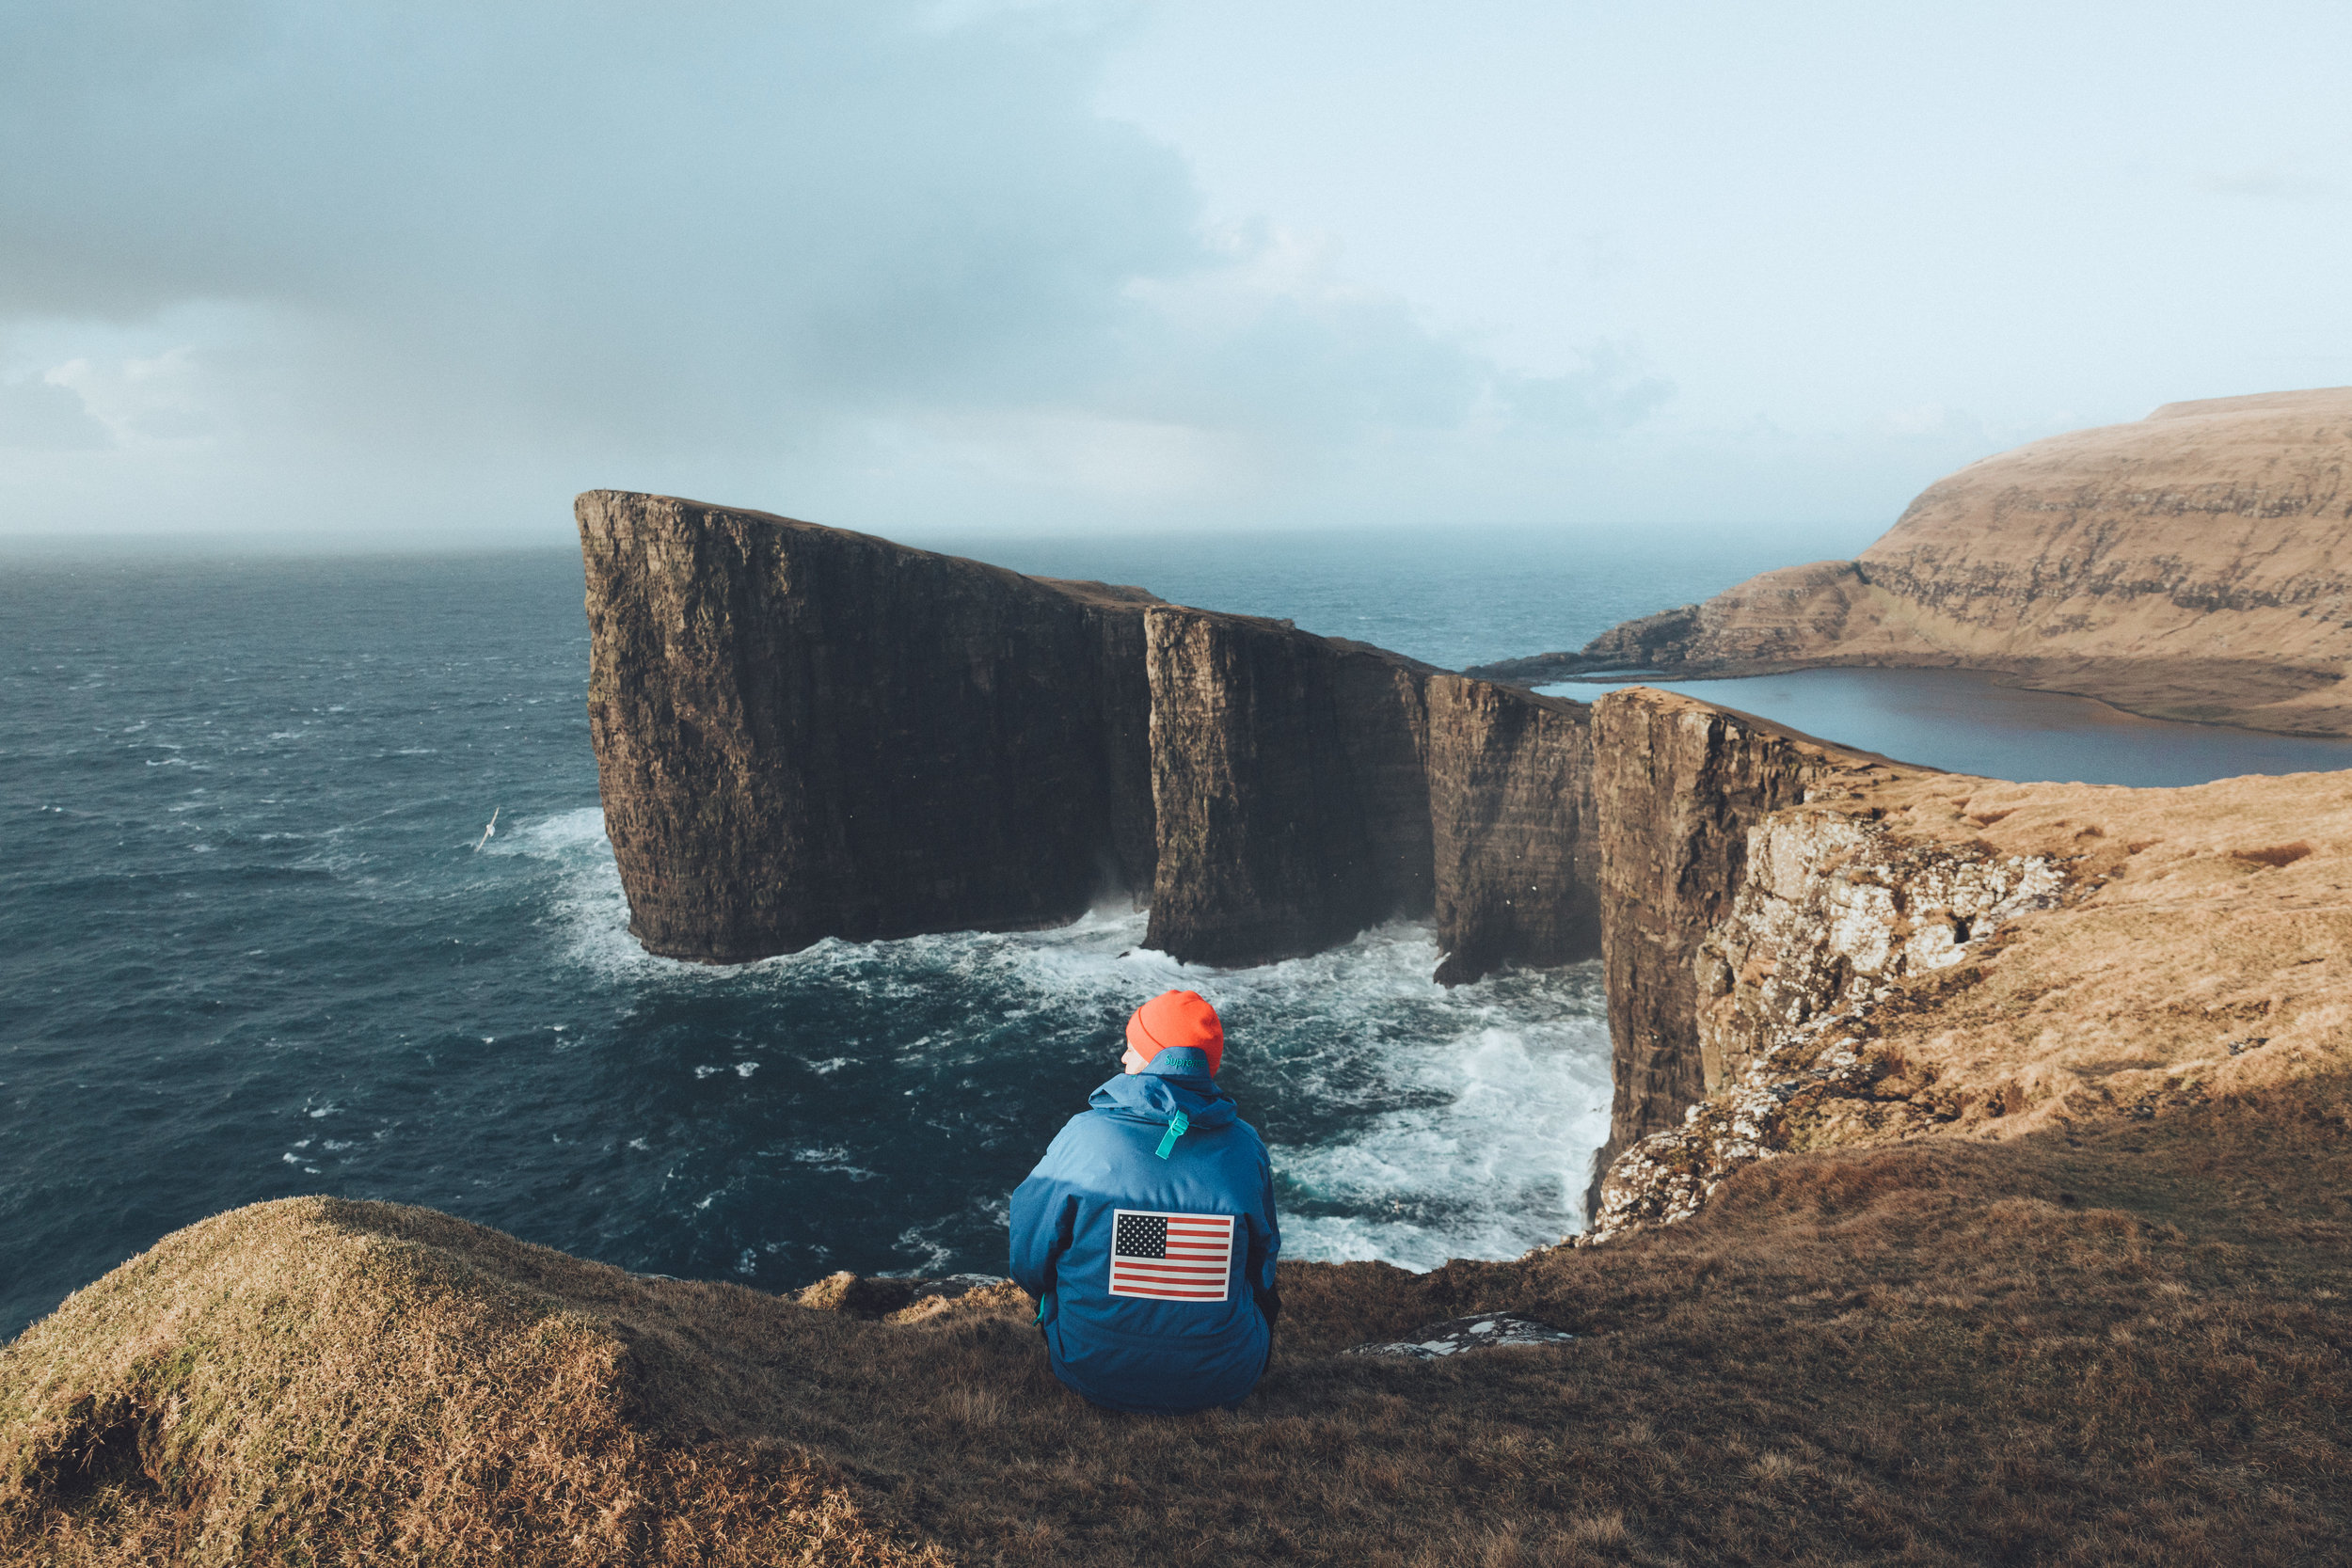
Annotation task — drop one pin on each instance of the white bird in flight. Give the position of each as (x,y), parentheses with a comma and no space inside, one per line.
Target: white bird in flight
(488,831)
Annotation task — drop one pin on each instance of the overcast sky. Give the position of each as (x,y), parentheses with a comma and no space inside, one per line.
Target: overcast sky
(414,273)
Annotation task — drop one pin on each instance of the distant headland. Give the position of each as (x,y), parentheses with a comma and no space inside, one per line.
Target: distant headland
(2196,565)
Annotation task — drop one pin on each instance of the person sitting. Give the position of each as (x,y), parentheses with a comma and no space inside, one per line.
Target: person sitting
(1147,1232)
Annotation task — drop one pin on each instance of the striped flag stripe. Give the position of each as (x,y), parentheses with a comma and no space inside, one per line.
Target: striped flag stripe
(1207,1272)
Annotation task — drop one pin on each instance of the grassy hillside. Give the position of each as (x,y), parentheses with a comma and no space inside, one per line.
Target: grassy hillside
(2122,1343)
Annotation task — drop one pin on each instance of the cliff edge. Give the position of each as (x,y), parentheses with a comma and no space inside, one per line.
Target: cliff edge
(1912,956)
(2196,565)
(802,732)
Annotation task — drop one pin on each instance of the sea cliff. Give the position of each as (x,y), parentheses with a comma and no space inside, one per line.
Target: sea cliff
(806,732)
(802,732)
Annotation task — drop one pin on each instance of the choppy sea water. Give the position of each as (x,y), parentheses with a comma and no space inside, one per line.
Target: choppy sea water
(249,948)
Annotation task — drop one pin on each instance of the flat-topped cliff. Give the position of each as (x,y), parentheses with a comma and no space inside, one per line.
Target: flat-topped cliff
(2196,565)
(802,733)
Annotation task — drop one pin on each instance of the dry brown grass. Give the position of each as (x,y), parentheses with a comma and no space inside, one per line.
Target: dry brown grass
(2123,1344)
(321,1382)
(2206,950)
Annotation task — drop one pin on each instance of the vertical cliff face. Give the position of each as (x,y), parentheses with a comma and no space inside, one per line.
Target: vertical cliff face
(1308,787)
(1835,916)
(1292,802)
(804,733)
(1677,784)
(1514,833)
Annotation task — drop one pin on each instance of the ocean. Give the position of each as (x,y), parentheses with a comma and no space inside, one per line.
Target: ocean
(253,942)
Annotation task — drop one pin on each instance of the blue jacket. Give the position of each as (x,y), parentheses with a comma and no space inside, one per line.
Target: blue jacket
(1136,1315)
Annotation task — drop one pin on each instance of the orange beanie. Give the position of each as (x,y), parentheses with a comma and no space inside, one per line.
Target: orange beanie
(1177,1020)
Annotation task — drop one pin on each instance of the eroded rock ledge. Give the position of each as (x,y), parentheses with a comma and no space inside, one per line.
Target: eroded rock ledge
(1914,954)
(1834,914)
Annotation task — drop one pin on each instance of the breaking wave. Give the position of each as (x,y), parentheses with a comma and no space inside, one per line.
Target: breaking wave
(1408,1122)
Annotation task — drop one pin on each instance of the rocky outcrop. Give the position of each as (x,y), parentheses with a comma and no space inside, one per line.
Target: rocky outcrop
(1833,913)
(1677,784)
(1914,954)
(1309,787)
(1460,1335)
(1514,829)
(1290,786)
(2196,564)
(804,733)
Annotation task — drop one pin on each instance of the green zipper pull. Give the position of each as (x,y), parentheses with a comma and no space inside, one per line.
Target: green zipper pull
(1177,1126)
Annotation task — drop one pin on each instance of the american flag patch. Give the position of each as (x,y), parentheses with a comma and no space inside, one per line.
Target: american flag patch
(1171,1257)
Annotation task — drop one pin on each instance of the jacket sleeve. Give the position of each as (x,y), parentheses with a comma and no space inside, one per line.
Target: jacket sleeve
(1265,1244)
(1043,1212)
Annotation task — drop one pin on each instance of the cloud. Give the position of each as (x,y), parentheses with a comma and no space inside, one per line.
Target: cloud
(2265,182)
(40,414)
(540,246)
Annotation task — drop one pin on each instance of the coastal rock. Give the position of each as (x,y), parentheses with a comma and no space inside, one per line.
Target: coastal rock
(804,733)
(1456,1336)
(2196,565)
(1308,787)
(1677,784)
(1834,913)
(1833,910)
(1514,829)
(1920,955)
(1289,788)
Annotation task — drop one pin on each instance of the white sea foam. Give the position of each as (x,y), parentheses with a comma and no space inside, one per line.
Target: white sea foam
(1461,1123)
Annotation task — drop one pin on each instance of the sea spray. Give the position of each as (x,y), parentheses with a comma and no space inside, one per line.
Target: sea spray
(1408,1122)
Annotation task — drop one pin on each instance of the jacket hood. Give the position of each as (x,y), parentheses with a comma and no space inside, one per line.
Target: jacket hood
(1158,1096)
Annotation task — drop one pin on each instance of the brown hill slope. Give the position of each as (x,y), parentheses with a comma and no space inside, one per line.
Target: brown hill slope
(2128,1345)
(2196,564)
(315,1381)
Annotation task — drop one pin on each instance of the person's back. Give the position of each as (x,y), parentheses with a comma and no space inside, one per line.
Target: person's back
(1147,1232)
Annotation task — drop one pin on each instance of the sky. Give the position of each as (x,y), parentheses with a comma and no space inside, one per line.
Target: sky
(412,274)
